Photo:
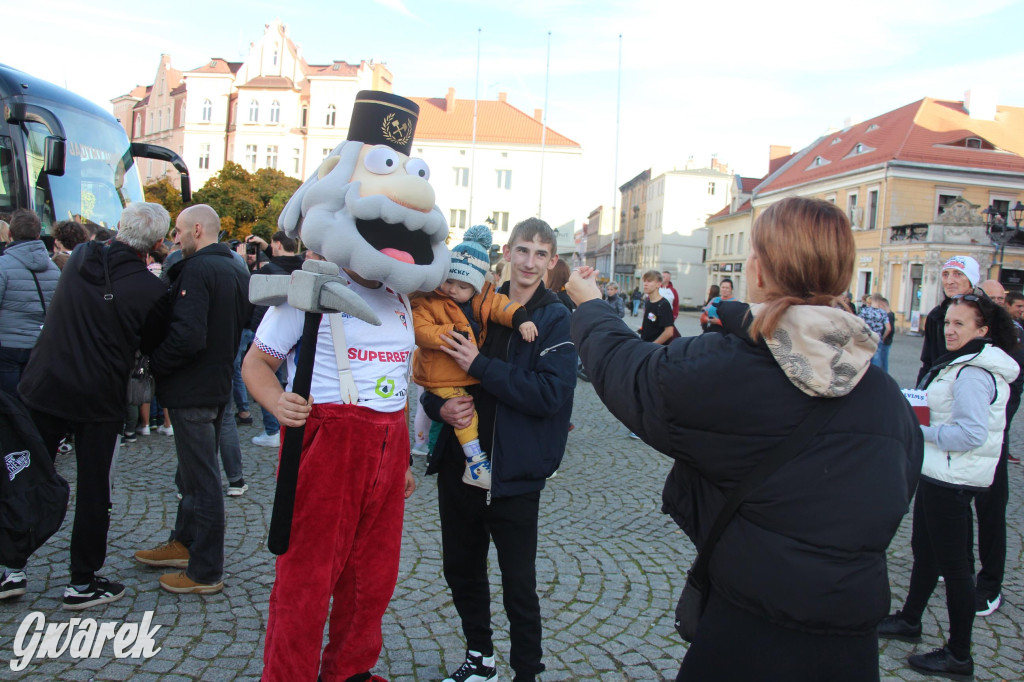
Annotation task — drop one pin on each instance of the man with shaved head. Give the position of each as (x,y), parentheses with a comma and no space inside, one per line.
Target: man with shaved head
(193,366)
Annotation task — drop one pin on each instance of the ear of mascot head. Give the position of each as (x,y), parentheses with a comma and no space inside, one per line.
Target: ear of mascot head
(369,208)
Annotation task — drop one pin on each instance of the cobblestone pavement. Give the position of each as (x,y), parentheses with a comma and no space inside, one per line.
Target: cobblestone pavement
(610,568)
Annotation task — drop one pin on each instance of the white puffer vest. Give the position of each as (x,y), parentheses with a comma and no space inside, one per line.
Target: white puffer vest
(974,468)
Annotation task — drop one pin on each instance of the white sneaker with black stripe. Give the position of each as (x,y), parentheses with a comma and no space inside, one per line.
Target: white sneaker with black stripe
(477,668)
(99,591)
(12,584)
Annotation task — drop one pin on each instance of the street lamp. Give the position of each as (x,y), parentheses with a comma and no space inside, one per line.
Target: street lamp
(998,233)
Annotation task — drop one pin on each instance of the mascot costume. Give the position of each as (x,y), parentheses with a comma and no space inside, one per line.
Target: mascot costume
(369,213)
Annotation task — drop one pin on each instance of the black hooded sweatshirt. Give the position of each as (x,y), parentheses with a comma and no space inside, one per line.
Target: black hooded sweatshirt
(80,366)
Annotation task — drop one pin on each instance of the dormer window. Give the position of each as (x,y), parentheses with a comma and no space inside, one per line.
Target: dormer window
(873,126)
(973,143)
(836,140)
(818,162)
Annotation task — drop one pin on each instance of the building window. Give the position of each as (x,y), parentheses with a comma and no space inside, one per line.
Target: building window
(272,156)
(944,199)
(297,156)
(275,112)
(973,143)
(275,56)
(207,110)
(305,115)
(711,188)
(1002,207)
(327,150)
(159,120)
(182,119)
(254,111)
(500,220)
(204,156)
(873,209)
(462,177)
(457,218)
(332,114)
(504,179)
(138,125)
(851,209)
(250,156)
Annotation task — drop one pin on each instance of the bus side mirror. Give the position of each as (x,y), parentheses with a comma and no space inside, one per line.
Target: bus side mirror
(55,155)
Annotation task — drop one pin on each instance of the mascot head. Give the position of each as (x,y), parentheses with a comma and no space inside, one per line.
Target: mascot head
(369,207)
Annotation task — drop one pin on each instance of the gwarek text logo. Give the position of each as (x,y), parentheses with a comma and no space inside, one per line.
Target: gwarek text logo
(82,638)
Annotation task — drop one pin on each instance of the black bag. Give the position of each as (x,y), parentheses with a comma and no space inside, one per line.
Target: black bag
(694,598)
(33,496)
(140,382)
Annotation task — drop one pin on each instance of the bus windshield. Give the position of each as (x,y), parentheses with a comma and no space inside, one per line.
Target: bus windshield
(100,176)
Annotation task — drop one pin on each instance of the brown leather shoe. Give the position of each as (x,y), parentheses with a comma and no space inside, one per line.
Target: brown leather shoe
(179,583)
(172,555)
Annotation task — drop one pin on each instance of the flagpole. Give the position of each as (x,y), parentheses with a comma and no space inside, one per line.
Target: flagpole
(544,128)
(472,153)
(615,170)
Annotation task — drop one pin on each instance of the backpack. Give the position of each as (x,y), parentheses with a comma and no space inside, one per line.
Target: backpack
(33,496)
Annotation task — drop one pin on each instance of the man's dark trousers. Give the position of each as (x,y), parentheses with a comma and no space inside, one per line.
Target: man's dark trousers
(96,444)
(200,522)
(468,523)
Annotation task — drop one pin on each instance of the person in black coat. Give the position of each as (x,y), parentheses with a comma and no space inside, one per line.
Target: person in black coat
(960,275)
(798,579)
(107,305)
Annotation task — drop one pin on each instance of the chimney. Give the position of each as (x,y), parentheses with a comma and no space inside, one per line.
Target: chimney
(980,102)
(538,115)
(449,101)
(777,155)
(502,96)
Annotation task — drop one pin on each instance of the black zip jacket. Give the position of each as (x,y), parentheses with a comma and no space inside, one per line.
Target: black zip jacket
(524,401)
(279,265)
(79,368)
(209,307)
(807,549)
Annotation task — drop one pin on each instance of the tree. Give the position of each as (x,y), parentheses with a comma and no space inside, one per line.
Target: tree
(252,201)
(167,195)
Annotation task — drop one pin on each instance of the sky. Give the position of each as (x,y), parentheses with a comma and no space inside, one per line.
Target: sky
(697,79)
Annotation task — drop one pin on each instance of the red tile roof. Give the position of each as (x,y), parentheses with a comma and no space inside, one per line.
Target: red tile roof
(269,83)
(725,212)
(218,65)
(335,69)
(925,131)
(748,184)
(497,122)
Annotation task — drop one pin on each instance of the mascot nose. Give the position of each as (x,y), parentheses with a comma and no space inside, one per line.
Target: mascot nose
(411,191)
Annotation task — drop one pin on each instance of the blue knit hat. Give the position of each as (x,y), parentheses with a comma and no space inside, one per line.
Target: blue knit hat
(470,259)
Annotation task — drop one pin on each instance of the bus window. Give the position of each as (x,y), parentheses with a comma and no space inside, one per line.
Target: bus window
(7,189)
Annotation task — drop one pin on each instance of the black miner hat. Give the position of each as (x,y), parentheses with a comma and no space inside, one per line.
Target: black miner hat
(383,118)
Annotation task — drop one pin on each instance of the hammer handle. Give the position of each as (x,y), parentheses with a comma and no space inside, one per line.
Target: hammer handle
(288,469)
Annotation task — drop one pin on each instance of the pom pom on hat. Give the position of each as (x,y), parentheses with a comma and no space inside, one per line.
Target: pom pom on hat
(471,259)
(966,265)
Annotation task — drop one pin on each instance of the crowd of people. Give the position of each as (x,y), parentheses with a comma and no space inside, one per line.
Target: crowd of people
(800,571)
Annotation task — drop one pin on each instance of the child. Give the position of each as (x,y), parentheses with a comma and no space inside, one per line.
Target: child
(463,304)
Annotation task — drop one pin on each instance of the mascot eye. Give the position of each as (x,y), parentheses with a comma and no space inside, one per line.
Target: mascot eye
(382,160)
(418,167)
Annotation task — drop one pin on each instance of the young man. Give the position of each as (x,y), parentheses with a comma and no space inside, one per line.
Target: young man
(524,401)
(657,325)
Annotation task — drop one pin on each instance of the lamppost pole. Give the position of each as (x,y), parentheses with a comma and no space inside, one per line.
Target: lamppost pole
(998,233)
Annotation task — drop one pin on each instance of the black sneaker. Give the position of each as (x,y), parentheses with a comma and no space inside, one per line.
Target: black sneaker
(895,627)
(983,606)
(941,663)
(13,584)
(99,591)
(473,670)
(129,437)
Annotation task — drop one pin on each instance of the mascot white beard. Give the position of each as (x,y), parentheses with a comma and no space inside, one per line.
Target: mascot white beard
(353,231)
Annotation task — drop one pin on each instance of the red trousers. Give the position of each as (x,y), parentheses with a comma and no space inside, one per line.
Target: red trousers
(345,542)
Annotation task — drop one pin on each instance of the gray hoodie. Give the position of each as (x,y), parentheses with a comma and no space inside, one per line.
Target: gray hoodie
(21,306)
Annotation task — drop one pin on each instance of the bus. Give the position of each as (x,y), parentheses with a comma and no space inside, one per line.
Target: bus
(66,158)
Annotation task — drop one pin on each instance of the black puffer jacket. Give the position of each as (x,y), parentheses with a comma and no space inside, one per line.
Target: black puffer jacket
(79,368)
(209,307)
(807,548)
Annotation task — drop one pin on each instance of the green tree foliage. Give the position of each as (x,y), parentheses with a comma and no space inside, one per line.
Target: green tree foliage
(248,203)
(167,195)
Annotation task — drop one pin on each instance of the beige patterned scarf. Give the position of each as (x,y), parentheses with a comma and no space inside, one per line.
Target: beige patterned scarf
(823,351)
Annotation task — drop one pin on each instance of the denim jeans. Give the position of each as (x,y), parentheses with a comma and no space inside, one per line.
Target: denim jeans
(12,363)
(270,424)
(237,385)
(882,355)
(230,448)
(200,522)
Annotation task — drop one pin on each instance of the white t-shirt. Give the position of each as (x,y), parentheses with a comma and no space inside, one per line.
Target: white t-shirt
(379,356)
(667,293)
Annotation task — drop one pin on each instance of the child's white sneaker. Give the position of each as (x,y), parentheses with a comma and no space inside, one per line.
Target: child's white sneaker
(478,471)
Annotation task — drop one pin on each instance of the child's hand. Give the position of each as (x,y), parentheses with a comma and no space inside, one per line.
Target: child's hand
(528,330)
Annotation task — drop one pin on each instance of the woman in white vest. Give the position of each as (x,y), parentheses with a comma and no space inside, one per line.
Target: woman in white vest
(967,392)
